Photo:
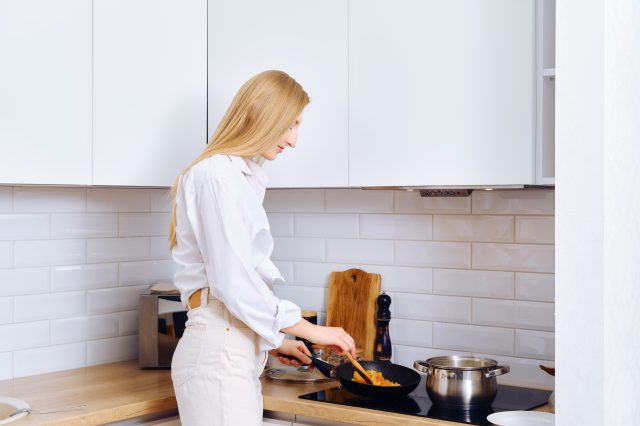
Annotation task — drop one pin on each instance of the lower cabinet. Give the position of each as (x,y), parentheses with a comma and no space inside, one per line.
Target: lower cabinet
(267,421)
(276,418)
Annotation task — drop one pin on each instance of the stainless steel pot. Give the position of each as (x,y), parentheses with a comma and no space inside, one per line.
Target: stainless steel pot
(461,381)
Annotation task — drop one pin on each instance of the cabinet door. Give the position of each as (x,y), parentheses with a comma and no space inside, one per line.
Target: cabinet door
(45,92)
(308,41)
(441,92)
(150,88)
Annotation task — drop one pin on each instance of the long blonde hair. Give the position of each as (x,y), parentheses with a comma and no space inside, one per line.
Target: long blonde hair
(259,115)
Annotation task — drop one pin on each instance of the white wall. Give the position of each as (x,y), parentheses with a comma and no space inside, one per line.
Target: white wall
(598,238)
(466,275)
(622,222)
(72,264)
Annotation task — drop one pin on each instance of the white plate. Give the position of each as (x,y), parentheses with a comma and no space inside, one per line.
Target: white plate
(8,406)
(522,418)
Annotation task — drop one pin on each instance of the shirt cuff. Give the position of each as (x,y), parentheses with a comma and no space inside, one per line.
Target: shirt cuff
(269,273)
(287,315)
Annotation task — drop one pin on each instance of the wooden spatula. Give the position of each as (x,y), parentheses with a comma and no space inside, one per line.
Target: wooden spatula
(359,369)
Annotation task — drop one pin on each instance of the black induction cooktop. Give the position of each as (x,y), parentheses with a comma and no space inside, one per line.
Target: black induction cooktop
(418,403)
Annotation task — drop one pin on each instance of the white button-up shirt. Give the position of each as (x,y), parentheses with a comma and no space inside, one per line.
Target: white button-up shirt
(224,242)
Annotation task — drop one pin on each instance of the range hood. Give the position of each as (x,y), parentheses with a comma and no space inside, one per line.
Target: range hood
(455,190)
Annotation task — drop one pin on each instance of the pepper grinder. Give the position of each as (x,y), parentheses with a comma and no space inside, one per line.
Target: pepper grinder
(382,350)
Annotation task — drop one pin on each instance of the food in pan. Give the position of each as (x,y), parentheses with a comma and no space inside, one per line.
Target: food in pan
(376,377)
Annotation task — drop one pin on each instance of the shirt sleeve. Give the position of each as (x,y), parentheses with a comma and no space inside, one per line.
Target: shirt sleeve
(234,275)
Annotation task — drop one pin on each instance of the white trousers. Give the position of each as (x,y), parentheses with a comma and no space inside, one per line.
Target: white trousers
(216,369)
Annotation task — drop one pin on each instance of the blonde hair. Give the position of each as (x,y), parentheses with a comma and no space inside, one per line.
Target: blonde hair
(259,115)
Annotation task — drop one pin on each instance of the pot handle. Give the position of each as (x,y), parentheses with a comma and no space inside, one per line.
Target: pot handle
(423,367)
(497,371)
(325,368)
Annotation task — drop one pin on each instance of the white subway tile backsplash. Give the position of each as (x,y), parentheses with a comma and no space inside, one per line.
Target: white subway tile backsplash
(84,328)
(407,355)
(535,229)
(49,359)
(514,257)
(48,306)
(49,252)
(80,277)
(432,308)
(473,338)
(433,254)
(281,224)
(160,200)
(298,249)
(6,249)
(317,274)
(537,287)
(51,301)
(515,314)
(112,350)
(513,202)
(412,202)
(524,372)
(464,282)
(451,265)
(6,366)
(411,332)
(110,300)
(358,201)
(6,310)
(360,251)
(404,279)
(24,226)
(6,200)
(326,225)
(308,298)
(47,199)
(286,270)
(146,272)
(84,225)
(24,281)
(25,335)
(128,322)
(143,224)
(396,226)
(535,344)
(117,249)
(498,229)
(294,200)
(117,200)
(159,248)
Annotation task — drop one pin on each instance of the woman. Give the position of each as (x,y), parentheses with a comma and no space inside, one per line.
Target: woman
(220,239)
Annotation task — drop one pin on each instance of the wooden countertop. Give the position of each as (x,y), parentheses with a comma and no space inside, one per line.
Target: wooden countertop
(119,391)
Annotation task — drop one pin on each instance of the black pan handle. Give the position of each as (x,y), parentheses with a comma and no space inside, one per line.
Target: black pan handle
(324,367)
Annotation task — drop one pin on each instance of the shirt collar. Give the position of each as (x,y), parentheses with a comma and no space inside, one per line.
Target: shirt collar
(239,162)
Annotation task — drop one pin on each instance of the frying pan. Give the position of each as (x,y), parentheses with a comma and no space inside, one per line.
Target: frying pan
(408,378)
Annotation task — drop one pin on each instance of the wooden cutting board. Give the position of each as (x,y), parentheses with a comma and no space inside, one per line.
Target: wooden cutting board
(352,306)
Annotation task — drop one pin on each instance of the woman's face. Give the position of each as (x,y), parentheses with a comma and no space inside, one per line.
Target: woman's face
(289,139)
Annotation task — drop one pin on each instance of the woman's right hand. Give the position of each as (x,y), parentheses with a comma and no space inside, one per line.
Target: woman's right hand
(334,337)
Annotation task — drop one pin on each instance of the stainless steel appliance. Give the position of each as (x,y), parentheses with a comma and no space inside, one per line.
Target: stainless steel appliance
(161,322)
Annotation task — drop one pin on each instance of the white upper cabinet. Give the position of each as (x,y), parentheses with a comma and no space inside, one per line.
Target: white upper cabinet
(150,88)
(307,40)
(45,92)
(441,92)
